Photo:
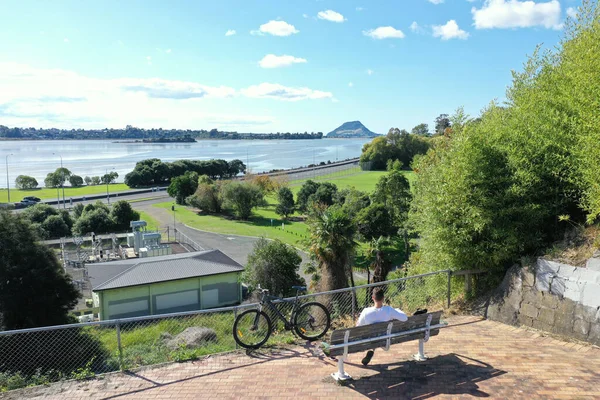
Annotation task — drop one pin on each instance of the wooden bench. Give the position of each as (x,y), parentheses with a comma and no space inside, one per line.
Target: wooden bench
(383,334)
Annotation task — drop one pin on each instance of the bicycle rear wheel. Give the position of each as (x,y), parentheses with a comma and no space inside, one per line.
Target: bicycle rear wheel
(312,321)
(252,329)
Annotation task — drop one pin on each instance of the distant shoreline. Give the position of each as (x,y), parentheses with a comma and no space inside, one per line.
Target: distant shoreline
(140,141)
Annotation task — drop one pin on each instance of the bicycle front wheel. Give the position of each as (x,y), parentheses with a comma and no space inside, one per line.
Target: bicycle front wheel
(312,321)
(252,329)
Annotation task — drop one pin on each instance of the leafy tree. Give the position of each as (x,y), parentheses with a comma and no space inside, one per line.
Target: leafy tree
(442,122)
(88,180)
(26,182)
(375,221)
(34,290)
(324,194)
(95,180)
(393,191)
(242,197)
(352,200)
(285,197)
(110,177)
(421,129)
(397,145)
(78,210)
(183,186)
(75,180)
(122,214)
(97,221)
(332,245)
(49,222)
(55,227)
(52,180)
(39,212)
(208,196)
(308,188)
(273,265)
(380,264)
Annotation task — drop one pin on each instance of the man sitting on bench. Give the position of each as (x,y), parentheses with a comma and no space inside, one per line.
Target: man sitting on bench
(378,313)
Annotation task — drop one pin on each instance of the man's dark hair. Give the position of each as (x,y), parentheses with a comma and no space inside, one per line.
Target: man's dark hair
(378,294)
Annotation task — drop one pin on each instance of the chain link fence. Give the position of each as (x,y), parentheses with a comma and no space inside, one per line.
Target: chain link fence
(42,355)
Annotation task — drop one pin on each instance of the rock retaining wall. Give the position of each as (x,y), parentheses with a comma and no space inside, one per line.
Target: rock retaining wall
(552,297)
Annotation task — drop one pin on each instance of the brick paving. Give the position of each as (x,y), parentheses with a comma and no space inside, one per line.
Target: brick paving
(471,358)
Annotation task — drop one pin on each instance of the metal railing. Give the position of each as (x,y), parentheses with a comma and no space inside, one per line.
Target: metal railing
(42,355)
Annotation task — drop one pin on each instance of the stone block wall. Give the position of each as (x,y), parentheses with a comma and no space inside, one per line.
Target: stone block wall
(552,297)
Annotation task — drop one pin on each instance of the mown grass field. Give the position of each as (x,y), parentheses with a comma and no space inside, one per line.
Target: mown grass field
(264,221)
(50,193)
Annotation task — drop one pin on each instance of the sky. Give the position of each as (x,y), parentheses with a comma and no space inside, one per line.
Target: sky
(263,66)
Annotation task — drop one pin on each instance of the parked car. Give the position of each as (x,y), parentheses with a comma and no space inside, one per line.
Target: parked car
(27,203)
(31,198)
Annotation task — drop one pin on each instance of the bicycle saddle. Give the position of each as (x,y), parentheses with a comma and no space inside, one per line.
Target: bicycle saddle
(301,288)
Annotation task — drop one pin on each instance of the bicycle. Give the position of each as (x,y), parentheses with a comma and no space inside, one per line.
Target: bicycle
(252,328)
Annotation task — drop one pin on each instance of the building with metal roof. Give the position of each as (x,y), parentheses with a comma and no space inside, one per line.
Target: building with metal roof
(165,284)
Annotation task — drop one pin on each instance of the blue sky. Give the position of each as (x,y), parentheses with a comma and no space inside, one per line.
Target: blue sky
(284,66)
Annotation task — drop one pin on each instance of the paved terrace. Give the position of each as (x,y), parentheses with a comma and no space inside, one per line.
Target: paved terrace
(471,358)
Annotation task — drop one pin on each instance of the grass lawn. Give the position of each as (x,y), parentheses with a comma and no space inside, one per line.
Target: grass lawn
(153,224)
(50,193)
(294,232)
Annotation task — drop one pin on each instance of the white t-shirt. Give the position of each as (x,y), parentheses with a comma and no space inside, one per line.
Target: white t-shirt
(372,315)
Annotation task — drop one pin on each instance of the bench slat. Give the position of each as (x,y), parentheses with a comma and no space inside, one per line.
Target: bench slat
(381,343)
(380,329)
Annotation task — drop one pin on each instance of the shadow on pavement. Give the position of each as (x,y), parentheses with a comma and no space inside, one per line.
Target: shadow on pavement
(451,374)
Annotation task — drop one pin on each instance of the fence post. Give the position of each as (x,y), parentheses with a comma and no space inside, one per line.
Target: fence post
(449,286)
(353,304)
(235,312)
(119,346)
(168,234)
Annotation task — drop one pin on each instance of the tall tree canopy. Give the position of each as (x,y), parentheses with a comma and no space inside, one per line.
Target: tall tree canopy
(497,188)
(34,290)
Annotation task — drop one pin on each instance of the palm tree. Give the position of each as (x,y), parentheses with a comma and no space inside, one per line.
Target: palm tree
(332,246)
(380,264)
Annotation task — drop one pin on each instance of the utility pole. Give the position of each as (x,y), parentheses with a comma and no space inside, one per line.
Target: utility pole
(7,180)
(62,172)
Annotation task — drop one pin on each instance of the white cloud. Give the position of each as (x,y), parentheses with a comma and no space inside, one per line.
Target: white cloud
(517,14)
(359,8)
(416,28)
(436,1)
(369,72)
(350,84)
(280,92)
(168,51)
(449,31)
(304,15)
(572,12)
(63,99)
(66,40)
(230,32)
(331,15)
(276,28)
(384,32)
(273,61)
(149,60)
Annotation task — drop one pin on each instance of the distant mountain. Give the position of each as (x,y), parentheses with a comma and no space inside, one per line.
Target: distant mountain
(352,129)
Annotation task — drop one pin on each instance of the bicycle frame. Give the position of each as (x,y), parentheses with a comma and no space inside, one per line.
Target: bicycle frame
(266,300)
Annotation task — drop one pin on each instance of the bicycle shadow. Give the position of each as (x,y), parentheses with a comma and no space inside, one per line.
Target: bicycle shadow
(451,374)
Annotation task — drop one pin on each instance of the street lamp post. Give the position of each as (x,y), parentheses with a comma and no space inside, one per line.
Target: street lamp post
(62,180)
(107,178)
(7,180)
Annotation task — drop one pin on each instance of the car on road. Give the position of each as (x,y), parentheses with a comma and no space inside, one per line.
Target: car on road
(31,198)
(25,203)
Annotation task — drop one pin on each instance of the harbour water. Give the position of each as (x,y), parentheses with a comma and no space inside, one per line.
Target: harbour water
(95,157)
